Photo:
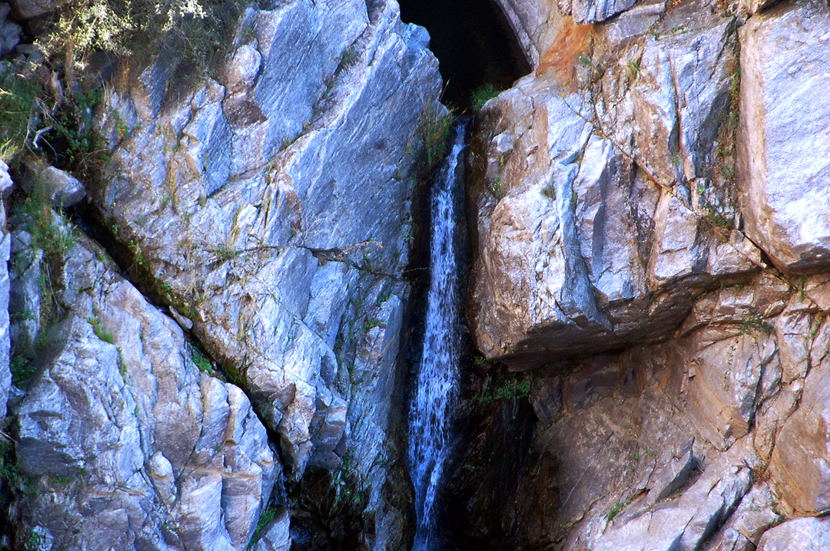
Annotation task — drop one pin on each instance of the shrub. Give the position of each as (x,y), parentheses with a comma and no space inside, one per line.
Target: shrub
(193,28)
(482,95)
(18,103)
(50,232)
(434,128)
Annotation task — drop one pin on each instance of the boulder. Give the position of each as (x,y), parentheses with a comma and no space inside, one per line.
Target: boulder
(59,188)
(26,9)
(801,534)
(9,31)
(783,151)
(597,219)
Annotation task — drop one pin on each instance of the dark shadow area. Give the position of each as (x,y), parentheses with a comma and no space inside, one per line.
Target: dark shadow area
(473,42)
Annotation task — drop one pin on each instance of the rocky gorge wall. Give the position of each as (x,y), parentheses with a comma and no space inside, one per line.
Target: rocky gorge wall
(650,218)
(212,358)
(205,340)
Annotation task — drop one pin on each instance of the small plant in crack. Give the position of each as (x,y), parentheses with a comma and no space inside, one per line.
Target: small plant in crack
(201,361)
(495,188)
(482,95)
(349,56)
(225,254)
(633,68)
(100,330)
(752,322)
(615,510)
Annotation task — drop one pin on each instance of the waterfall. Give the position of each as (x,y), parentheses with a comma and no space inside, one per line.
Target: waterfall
(436,389)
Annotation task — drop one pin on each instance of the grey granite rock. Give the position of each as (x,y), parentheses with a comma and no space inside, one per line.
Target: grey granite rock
(26,9)
(5,290)
(128,443)
(9,31)
(801,534)
(783,149)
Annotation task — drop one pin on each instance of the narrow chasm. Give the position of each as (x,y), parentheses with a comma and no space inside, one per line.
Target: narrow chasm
(473,42)
(478,57)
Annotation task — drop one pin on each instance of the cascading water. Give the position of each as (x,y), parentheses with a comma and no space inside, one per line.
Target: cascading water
(433,400)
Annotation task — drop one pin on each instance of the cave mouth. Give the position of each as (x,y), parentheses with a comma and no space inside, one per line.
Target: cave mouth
(473,43)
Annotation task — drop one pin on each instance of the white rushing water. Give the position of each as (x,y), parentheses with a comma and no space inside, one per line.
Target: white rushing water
(433,401)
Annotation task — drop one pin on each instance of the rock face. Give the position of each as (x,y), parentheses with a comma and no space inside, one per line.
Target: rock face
(807,534)
(5,251)
(626,200)
(650,250)
(785,171)
(271,210)
(598,220)
(267,209)
(126,442)
(9,31)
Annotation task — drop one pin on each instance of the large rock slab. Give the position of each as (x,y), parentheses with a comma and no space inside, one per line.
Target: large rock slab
(597,218)
(127,443)
(800,463)
(266,203)
(785,122)
(271,208)
(801,534)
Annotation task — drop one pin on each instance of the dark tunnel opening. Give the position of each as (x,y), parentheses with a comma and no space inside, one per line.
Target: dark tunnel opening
(473,42)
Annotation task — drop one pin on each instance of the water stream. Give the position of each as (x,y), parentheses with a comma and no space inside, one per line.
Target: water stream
(436,387)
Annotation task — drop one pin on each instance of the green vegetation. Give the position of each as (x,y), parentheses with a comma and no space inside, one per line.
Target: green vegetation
(349,486)
(82,148)
(482,95)
(349,56)
(10,471)
(138,255)
(371,323)
(504,386)
(193,28)
(716,218)
(434,130)
(201,361)
(225,254)
(18,103)
(24,361)
(615,510)
(100,331)
(50,233)
(753,323)
(22,371)
(633,68)
(266,518)
(495,189)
